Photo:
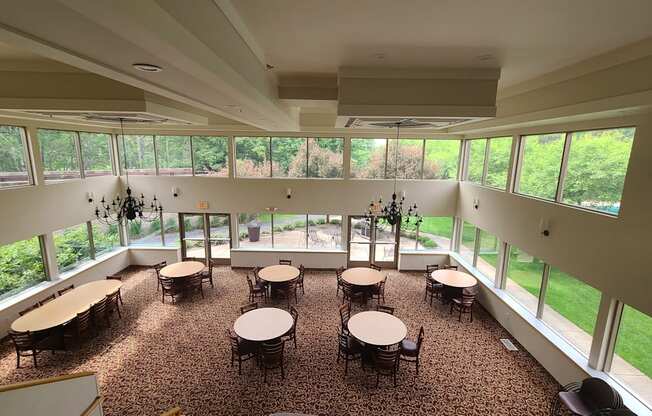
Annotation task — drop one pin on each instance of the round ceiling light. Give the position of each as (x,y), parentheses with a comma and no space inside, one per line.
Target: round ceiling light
(147,67)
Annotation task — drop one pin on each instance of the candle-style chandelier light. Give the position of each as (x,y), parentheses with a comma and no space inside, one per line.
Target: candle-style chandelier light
(392,212)
(127,207)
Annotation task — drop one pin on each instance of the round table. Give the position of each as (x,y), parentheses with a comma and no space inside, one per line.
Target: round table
(66,307)
(182,269)
(453,278)
(278,273)
(377,328)
(263,324)
(362,276)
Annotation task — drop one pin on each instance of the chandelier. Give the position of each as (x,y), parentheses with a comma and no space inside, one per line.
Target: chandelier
(127,208)
(393,212)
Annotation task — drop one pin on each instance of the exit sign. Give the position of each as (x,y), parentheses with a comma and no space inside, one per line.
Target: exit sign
(202,205)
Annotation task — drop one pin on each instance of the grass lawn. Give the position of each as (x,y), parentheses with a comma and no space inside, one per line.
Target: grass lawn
(579,303)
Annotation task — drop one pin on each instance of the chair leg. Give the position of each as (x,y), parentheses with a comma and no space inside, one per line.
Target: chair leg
(34,357)
(471,310)
(377,379)
(239,366)
(460,317)
(417,361)
(394,378)
(282,371)
(17,359)
(117,306)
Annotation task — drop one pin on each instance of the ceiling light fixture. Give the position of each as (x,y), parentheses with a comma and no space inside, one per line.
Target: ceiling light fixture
(147,67)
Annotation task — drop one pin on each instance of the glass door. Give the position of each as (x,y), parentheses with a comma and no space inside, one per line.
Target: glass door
(219,238)
(369,242)
(193,237)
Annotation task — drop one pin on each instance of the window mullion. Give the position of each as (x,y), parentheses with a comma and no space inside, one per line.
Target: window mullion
(476,247)
(162,229)
(306,231)
(271,173)
(192,158)
(518,163)
(207,244)
(91,241)
(485,167)
(562,169)
(308,158)
(80,158)
(386,153)
(155,155)
(542,290)
(423,156)
(514,157)
(500,279)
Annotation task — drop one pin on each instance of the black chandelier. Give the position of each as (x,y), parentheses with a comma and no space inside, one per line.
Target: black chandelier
(127,208)
(392,212)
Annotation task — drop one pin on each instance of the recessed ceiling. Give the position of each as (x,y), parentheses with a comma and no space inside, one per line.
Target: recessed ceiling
(527,38)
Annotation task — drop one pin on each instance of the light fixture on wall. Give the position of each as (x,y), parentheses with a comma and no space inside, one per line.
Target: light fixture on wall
(392,212)
(127,207)
(544,227)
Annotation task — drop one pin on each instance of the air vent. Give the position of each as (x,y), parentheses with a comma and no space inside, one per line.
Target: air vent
(508,344)
(415,123)
(134,118)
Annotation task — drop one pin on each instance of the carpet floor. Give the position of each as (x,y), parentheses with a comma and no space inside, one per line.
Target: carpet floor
(162,355)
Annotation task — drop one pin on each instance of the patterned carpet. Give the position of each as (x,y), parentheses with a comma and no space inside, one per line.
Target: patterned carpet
(159,356)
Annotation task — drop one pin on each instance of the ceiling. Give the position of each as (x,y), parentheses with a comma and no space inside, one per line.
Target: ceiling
(526,38)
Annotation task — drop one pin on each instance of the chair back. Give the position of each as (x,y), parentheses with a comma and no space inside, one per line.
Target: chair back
(285,262)
(22,340)
(255,271)
(468,298)
(194,281)
(386,359)
(420,339)
(114,277)
(48,299)
(599,393)
(345,314)
(272,352)
(233,340)
(344,342)
(167,284)
(251,285)
(295,316)
(158,266)
(31,308)
(374,266)
(248,307)
(65,289)
(302,272)
(113,299)
(99,309)
(339,272)
(448,267)
(431,268)
(83,320)
(385,309)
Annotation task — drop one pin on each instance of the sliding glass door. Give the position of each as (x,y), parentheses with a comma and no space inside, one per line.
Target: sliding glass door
(372,242)
(205,236)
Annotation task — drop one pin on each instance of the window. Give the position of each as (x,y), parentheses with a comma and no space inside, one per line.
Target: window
(540,165)
(289,231)
(524,274)
(13,158)
(597,164)
(368,158)
(21,266)
(252,157)
(138,154)
(144,233)
(255,230)
(325,157)
(432,233)
(410,156)
(59,155)
(171,229)
(72,247)
(475,169)
(488,249)
(324,232)
(632,362)
(173,155)
(210,155)
(441,159)
(194,236)
(571,309)
(288,157)
(96,154)
(106,238)
(500,149)
(219,235)
(467,243)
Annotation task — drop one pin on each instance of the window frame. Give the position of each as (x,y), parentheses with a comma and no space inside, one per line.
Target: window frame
(27,157)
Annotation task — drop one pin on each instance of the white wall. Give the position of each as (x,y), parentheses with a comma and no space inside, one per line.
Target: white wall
(311,260)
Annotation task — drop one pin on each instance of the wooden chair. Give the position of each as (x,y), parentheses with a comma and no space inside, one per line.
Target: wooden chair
(260,282)
(240,350)
(100,312)
(285,262)
(430,268)
(378,291)
(170,288)
(433,289)
(77,328)
(338,273)
(464,304)
(374,266)
(113,303)
(345,315)
(286,290)
(410,349)
(157,268)
(33,343)
(256,291)
(291,335)
(448,267)
(248,307)
(118,277)
(195,284)
(272,357)
(27,310)
(385,309)
(351,294)
(65,289)
(348,349)
(299,281)
(386,363)
(587,397)
(207,274)
(46,300)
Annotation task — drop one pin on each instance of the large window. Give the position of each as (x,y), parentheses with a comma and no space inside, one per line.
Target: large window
(290,231)
(96,153)
(14,164)
(173,155)
(488,250)
(467,242)
(210,155)
(500,150)
(410,156)
(540,165)
(289,157)
(597,164)
(368,158)
(144,233)
(475,167)
(524,274)
(171,229)
(21,266)
(59,155)
(632,362)
(441,159)
(571,308)
(72,246)
(325,157)
(194,237)
(138,154)
(252,157)
(433,233)
(106,238)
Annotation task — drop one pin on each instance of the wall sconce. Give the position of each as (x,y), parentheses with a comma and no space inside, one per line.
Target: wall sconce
(544,227)
(271,209)
(175,192)
(288,193)
(476,203)
(90,197)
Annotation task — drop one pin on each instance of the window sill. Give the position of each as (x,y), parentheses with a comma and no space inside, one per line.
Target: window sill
(153,248)
(288,250)
(560,343)
(423,252)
